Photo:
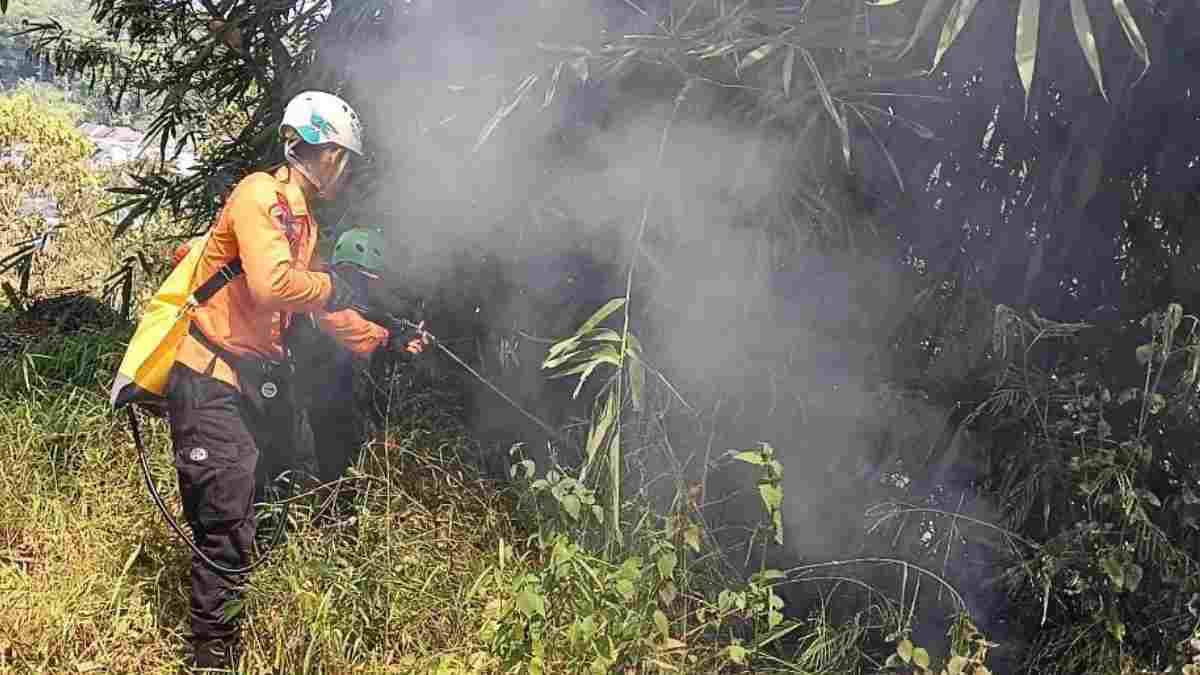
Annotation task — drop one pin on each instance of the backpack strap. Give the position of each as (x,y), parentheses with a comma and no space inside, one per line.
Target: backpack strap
(228,272)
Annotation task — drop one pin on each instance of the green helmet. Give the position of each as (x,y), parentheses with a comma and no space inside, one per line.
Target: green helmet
(361,246)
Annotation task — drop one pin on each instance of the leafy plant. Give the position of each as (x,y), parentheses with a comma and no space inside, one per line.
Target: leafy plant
(582,354)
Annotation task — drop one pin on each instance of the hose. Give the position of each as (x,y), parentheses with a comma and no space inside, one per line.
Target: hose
(551,431)
(217,567)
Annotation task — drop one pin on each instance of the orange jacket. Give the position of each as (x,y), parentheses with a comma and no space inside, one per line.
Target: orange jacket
(267,224)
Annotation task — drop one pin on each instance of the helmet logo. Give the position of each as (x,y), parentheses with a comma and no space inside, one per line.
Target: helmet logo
(269,390)
(198,454)
(317,128)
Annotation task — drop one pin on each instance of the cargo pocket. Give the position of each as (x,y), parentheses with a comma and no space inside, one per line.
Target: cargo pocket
(215,456)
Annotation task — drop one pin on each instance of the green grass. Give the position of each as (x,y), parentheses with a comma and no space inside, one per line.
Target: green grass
(374,576)
(410,563)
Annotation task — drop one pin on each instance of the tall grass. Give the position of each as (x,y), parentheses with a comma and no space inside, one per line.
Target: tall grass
(374,576)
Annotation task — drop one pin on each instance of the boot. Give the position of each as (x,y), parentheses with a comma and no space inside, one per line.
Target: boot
(211,657)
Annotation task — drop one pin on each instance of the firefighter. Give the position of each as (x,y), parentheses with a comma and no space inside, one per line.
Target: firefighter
(228,396)
(332,379)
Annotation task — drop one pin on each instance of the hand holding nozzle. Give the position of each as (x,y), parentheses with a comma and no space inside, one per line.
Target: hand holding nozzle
(420,338)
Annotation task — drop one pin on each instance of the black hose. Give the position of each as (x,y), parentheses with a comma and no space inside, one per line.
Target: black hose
(162,507)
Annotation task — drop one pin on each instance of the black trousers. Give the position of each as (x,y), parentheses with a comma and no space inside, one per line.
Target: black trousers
(220,443)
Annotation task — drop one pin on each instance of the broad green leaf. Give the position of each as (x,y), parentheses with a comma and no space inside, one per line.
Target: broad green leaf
(531,603)
(737,654)
(955,22)
(751,457)
(830,106)
(905,651)
(660,622)
(774,618)
(1027,42)
(1087,41)
(928,13)
(666,565)
(626,588)
(691,537)
(920,657)
(1134,35)
(725,600)
(571,504)
(772,496)
(231,609)
(956,665)
(601,314)
(789,64)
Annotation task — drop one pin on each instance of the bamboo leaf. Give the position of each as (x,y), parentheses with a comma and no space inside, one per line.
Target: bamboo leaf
(1087,41)
(583,378)
(560,347)
(757,55)
(955,22)
(601,314)
(886,153)
(789,64)
(1027,41)
(750,457)
(503,112)
(830,107)
(585,354)
(928,14)
(614,481)
(637,381)
(601,335)
(1134,35)
(600,428)
(553,88)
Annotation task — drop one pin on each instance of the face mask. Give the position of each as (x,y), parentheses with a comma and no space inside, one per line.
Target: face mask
(322,188)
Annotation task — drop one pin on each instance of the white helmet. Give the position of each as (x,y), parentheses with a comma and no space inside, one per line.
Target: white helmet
(316,117)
